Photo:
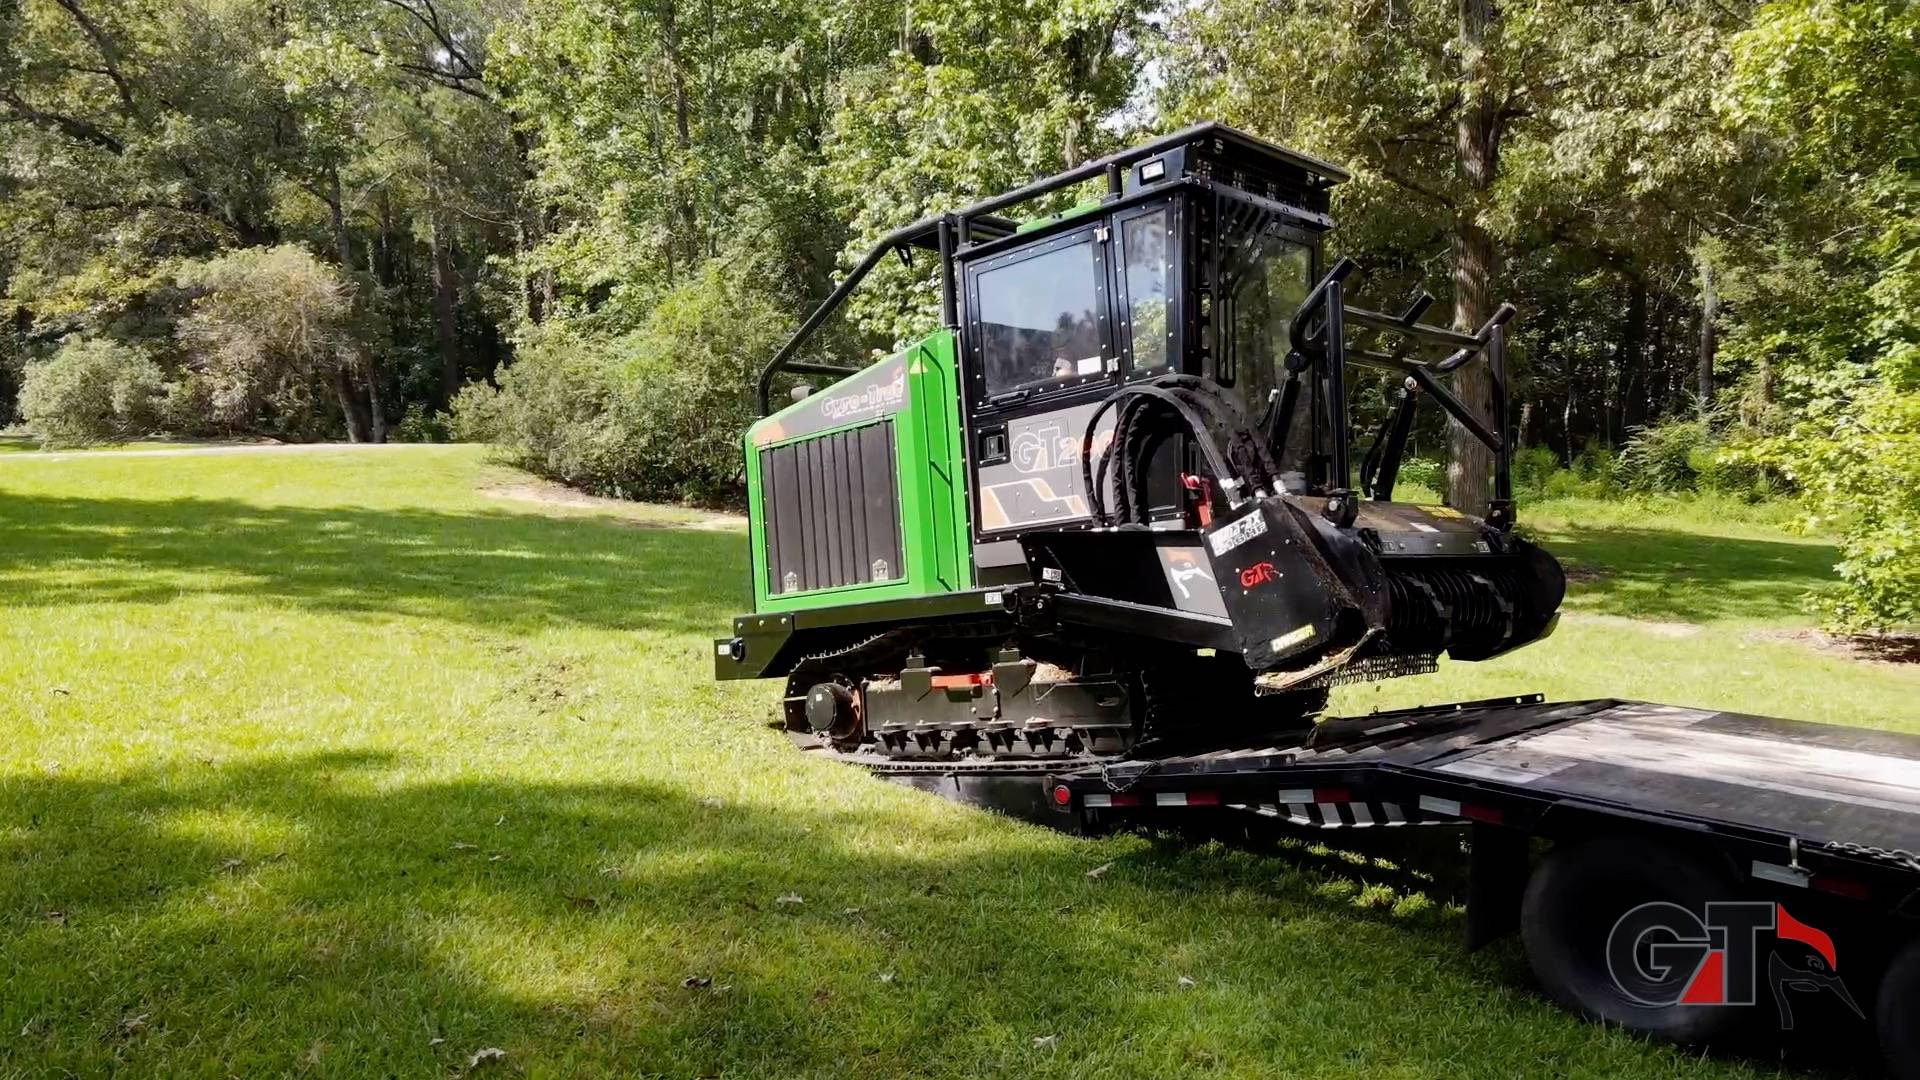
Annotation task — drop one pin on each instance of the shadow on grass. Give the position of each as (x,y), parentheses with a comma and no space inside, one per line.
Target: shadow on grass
(491,569)
(558,922)
(321,915)
(1651,573)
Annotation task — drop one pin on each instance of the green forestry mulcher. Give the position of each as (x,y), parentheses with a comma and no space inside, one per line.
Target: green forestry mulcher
(1110,501)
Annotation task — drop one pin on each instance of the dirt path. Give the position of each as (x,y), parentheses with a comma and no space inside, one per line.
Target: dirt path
(645,514)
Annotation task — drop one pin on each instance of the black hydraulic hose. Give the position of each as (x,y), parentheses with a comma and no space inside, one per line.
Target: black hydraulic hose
(1251,456)
(1185,405)
(1198,426)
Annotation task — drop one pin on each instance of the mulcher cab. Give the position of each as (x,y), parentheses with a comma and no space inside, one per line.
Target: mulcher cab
(1111,500)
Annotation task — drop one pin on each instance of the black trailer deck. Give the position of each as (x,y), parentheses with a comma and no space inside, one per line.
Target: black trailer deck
(1814,804)
(1817,805)
(1631,802)
(1834,788)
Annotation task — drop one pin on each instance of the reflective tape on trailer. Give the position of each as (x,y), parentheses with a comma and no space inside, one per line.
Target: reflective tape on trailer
(1327,808)
(1433,804)
(1335,815)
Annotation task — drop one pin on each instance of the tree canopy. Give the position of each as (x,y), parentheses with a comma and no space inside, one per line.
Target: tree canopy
(593,213)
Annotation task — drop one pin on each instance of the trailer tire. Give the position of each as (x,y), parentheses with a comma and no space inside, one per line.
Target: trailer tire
(1572,903)
(1898,1014)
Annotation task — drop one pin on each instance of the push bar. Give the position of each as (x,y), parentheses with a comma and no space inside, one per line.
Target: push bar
(897,238)
(1326,344)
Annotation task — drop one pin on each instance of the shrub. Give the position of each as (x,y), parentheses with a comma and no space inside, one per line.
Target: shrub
(1533,468)
(656,413)
(1596,462)
(1857,463)
(270,330)
(92,390)
(422,425)
(1661,457)
(1727,469)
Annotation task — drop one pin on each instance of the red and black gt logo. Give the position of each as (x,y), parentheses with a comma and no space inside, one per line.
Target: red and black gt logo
(1661,954)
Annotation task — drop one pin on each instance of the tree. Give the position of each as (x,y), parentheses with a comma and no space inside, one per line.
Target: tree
(1832,312)
(341,124)
(1457,119)
(92,391)
(272,330)
(968,102)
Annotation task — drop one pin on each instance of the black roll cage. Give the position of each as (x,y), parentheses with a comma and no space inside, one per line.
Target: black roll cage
(948,233)
(1318,335)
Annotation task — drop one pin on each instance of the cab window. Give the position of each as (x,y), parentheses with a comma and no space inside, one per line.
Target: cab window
(1040,319)
(1147,252)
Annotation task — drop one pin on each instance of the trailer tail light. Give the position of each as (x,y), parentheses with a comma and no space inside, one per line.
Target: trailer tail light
(1840,886)
(1062,796)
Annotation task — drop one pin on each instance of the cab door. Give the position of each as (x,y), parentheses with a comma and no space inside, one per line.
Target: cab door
(1052,328)
(1040,358)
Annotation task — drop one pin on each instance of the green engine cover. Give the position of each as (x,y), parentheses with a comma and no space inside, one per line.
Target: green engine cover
(858,492)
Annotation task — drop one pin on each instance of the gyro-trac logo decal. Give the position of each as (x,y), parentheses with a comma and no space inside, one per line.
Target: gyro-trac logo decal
(1661,954)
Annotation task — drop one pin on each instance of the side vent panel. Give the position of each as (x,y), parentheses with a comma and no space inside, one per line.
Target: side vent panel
(832,510)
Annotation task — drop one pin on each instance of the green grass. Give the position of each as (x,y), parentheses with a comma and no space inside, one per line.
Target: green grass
(21,444)
(333,765)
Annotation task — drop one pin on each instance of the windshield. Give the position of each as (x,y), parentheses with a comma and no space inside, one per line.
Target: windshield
(1264,278)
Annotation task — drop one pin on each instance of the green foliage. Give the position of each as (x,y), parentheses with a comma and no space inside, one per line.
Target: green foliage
(1538,474)
(652,414)
(1662,457)
(139,133)
(423,426)
(1424,473)
(92,391)
(977,99)
(1856,461)
(270,333)
(1834,324)
(1533,467)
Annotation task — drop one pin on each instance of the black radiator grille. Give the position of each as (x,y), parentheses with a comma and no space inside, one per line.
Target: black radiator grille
(832,510)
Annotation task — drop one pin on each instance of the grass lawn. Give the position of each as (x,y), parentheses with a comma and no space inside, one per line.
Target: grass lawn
(21,444)
(336,765)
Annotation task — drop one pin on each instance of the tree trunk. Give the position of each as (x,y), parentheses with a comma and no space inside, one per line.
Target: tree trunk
(1630,361)
(445,298)
(352,408)
(527,232)
(682,130)
(363,412)
(1709,332)
(1475,260)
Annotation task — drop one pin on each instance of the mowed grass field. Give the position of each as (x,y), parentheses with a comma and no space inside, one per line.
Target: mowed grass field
(336,765)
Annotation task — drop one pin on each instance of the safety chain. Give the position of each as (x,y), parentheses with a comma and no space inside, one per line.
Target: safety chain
(1900,857)
(1106,775)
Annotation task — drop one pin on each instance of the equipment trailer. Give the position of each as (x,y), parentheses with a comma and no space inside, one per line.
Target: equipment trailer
(1699,876)
(1095,549)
